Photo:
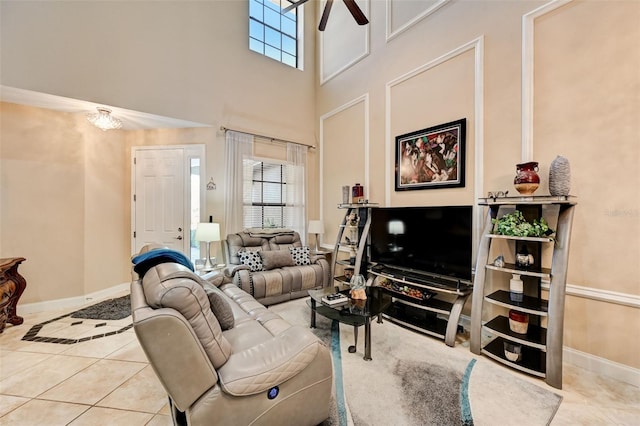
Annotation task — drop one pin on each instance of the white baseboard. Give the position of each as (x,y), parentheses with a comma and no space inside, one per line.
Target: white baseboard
(589,362)
(602,366)
(71,302)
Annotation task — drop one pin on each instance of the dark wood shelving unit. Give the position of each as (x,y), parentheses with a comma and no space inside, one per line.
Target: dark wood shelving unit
(536,336)
(530,305)
(437,316)
(416,318)
(542,345)
(533,360)
(363,210)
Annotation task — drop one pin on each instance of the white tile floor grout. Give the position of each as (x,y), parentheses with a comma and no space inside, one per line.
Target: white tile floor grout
(109,381)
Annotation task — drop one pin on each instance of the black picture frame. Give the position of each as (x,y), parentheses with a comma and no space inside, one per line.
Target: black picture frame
(431,158)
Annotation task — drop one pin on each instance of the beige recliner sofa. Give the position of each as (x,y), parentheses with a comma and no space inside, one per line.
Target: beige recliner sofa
(261,371)
(274,283)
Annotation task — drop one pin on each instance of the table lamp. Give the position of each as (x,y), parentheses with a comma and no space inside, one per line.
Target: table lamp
(395,228)
(208,232)
(316,227)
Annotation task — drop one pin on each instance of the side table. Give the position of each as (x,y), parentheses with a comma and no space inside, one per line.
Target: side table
(12,284)
(322,252)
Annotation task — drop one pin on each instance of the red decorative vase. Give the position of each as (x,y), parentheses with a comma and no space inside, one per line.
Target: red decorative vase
(527,179)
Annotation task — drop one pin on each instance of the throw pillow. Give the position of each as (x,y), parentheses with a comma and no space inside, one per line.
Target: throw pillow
(220,307)
(251,259)
(216,280)
(276,259)
(300,255)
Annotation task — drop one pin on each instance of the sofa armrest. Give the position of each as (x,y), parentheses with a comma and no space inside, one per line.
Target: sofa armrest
(326,268)
(314,258)
(269,363)
(231,270)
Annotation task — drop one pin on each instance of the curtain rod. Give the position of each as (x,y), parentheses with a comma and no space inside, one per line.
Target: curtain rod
(224,129)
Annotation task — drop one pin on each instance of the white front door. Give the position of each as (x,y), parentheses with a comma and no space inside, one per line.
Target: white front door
(159,199)
(167,195)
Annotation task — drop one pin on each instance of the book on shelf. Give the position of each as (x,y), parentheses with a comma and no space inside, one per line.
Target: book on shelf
(335,299)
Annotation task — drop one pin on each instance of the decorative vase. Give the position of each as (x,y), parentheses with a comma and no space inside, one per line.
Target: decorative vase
(516,288)
(512,351)
(527,179)
(357,193)
(345,194)
(358,285)
(524,258)
(559,177)
(518,321)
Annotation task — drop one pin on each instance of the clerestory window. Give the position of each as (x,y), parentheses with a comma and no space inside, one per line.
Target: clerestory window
(274,34)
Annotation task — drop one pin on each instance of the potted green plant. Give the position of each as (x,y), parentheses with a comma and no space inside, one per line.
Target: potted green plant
(515,225)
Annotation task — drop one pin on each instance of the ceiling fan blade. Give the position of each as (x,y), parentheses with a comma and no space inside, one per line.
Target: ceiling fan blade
(293,6)
(325,15)
(356,12)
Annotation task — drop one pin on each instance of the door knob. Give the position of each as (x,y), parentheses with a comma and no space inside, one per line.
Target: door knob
(179,237)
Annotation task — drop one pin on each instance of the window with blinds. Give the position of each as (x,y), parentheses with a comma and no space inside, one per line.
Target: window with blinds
(265,194)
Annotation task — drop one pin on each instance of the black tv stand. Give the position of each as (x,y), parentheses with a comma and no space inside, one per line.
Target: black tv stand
(436,313)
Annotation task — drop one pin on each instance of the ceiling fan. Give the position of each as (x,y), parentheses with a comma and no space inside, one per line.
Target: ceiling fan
(353,7)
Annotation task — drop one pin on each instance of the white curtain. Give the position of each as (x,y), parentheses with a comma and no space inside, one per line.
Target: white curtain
(296,189)
(238,146)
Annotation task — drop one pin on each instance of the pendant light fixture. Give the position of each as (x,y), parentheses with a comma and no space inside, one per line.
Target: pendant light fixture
(103,119)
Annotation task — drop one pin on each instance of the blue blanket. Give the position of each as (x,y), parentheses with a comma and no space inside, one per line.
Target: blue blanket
(145,261)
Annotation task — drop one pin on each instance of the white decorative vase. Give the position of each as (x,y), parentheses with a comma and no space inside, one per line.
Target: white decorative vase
(516,288)
(559,176)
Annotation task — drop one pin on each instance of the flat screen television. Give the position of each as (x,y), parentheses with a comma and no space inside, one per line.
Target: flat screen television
(432,240)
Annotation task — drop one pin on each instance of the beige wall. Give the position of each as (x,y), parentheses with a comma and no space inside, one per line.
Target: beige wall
(181,59)
(66,185)
(586,95)
(63,202)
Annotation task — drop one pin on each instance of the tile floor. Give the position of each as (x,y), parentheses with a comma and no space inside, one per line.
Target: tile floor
(107,381)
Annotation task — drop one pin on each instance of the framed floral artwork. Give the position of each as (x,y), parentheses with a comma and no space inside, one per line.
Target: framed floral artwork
(431,158)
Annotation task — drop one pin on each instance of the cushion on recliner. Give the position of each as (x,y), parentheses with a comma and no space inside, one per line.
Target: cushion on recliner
(216,280)
(220,307)
(252,259)
(170,285)
(300,255)
(276,259)
(284,241)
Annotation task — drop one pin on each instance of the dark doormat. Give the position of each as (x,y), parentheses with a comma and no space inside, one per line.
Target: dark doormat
(112,309)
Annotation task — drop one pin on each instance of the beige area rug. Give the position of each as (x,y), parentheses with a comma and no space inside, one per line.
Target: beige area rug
(415,379)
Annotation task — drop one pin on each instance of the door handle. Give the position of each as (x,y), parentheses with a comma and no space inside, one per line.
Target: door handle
(179,237)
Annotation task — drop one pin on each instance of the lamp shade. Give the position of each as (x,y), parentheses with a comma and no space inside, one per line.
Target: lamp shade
(395,227)
(208,231)
(316,227)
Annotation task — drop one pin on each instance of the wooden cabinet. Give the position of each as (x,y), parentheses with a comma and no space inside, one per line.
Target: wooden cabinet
(12,284)
(540,348)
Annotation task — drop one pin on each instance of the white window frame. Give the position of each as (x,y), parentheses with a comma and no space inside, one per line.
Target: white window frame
(299,37)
